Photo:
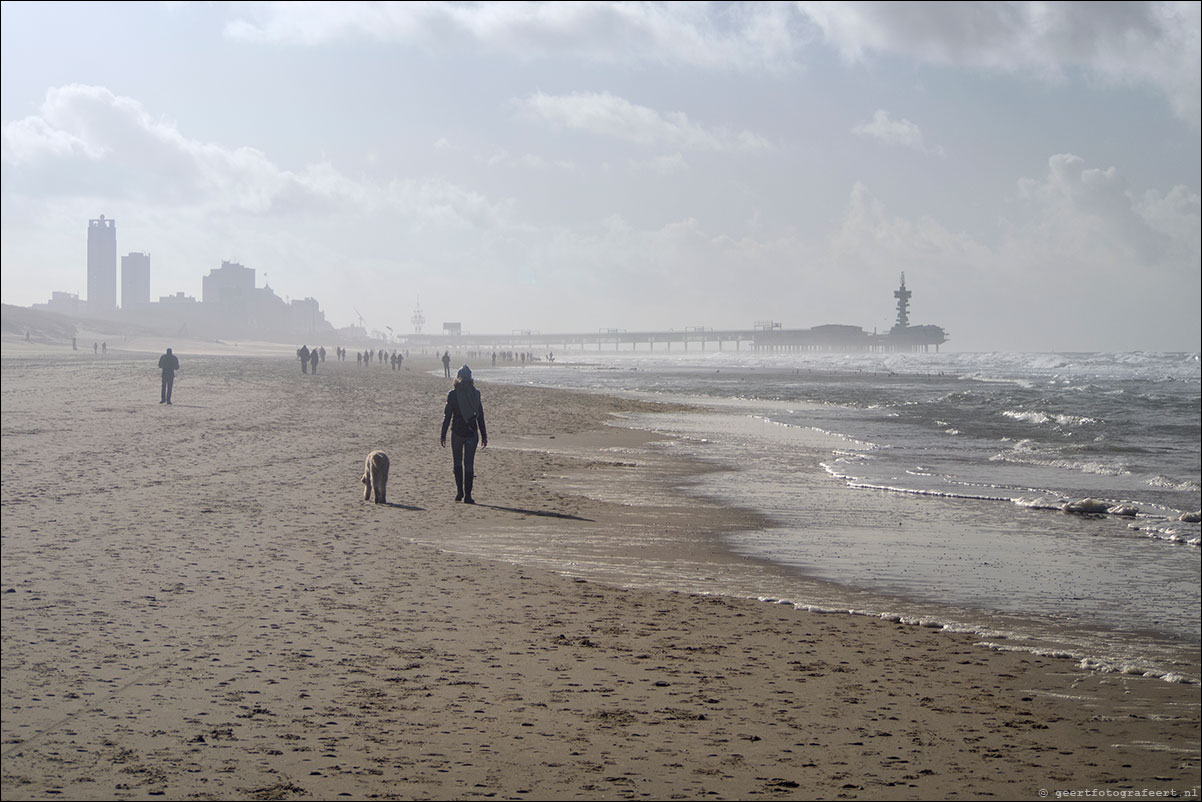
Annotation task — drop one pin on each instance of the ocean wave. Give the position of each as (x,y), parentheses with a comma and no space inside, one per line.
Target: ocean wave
(1032,416)
(1013,367)
(1027,452)
(1169,483)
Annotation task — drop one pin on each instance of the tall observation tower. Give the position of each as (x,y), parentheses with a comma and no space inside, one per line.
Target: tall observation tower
(903,305)
(419,318)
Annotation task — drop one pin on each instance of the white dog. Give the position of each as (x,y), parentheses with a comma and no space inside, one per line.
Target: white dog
(375,476)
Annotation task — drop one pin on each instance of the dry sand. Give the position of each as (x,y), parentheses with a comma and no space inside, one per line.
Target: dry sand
(198,604)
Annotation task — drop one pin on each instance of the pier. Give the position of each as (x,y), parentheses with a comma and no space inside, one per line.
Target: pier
(818,339)
(764,336)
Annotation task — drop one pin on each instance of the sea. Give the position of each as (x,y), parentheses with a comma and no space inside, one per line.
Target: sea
(1044,502)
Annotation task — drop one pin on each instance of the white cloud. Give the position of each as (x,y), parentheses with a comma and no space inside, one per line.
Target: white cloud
(669,164)
(1177,215)
(31,139)
(604,114)
(759,36)
(884,128)
(1088,221)
(86,136)
(1156,44)
(869,239)
(537,162)
(117,149)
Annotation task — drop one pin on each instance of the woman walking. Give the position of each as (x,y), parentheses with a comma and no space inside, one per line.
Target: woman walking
(464,415)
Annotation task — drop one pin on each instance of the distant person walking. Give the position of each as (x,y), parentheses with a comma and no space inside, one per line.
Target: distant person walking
(446,364)
(169,364)
(303,354)
(464,416)
(313,357)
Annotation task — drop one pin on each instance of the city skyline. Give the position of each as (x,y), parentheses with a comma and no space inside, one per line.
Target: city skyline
(231,303)
(1032,168)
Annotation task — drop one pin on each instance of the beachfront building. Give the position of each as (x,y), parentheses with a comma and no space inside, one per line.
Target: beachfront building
(64,303)
(135,280)
(307,317)
(230,286)
(102,265)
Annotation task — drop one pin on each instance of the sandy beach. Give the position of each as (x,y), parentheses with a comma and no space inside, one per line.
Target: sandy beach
(198,604)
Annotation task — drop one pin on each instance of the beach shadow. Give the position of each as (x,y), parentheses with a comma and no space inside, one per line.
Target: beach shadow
(395,505)
(540,513)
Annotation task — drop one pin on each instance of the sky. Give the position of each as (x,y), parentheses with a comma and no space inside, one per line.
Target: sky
(1032,168)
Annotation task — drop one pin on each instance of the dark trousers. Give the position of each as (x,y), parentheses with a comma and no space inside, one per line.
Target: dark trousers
(168,383)
(463,451)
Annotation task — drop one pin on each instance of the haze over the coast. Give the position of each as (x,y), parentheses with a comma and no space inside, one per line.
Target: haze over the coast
(1034,169)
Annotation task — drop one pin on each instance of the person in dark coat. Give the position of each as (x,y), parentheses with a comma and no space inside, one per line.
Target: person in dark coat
(464,416)
(303,353)
(313,357)
(169,364)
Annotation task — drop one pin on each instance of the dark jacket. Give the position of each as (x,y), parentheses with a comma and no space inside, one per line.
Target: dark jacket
(453,416)
(169,363)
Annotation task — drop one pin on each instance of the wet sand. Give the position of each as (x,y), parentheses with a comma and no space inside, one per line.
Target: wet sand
(198,604)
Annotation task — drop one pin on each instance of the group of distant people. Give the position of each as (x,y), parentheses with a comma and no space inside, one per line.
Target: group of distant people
(97,348)
(393,359)
(310,359)
(504,356)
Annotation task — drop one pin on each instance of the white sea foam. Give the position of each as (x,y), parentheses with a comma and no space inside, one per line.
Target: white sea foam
(1006,641)
(1041,502)
(1169,483)
(1033,416)
(911,491)
(1102,665)
(1030,452)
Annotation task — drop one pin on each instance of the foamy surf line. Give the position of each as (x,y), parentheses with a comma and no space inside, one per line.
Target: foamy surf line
(1012,642)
